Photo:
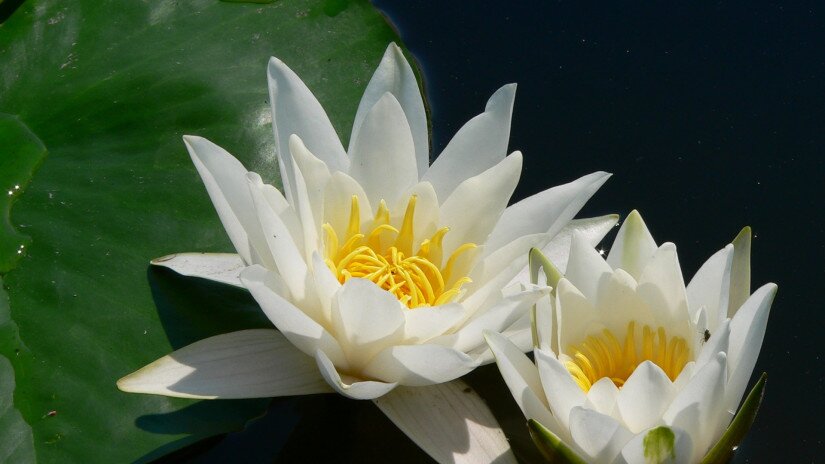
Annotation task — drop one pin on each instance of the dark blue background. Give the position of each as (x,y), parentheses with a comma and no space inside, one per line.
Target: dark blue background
(710,115)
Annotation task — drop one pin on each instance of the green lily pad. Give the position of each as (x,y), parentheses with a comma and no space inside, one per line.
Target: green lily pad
(723,451)
(109,88)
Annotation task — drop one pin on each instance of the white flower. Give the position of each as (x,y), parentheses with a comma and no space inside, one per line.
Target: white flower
(381,269)
(625,347)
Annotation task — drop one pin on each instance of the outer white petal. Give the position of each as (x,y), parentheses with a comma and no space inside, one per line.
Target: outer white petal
(719,341)
(383,152)
(475,206)
(479,145)
(418,365)
(219,267)
(304,332)
(707,389)
(547,211)
(658,448)
(644,397)
(351,388)
(295,110)
(449,421)
(561,391)
(522,378)
(599,436)
(592,230)
(586,268)
(225,180)
(247,364)
(394,75)
(710,287)
(747,330)
(633,246)
(661,285)
(366,319)
(740,280)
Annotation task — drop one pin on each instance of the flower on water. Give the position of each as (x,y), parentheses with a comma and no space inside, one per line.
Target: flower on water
(381,269)
(627,355)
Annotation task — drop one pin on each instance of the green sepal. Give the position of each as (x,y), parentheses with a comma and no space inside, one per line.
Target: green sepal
(722,452)
(551,447)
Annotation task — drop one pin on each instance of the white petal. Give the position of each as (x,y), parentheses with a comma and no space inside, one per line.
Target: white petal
(547,211)
(326,285)
(586,268)
(644,397)
(316,176)
(225,180)
(574,314)
(450,422)
(522,378)
(426,322)
(418,365)
(383,153)
(218,267)
(299,328)
(599,436)
(666,445)
(740,281)
(338,201)
(747,330)
(366,319)
(427,212)
(295,110)
(247,364)
(284,210)
(394,75)
(707,389)
(661,285)
(592,230)
(355,389)
(710,287)
(561,391)
(618,303)
(545,321)
(719,341)
(475,206)
(479,145)
(602,397)
(633,246)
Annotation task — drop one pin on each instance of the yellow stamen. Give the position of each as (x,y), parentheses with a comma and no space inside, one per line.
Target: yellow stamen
(601,355)
(384,254)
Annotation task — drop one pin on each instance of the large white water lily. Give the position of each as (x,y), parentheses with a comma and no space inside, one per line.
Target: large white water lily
(630,364)
(380,269)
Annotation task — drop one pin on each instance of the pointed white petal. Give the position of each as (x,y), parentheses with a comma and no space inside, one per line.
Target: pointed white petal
(633,246)
(747,330)
(602,397)
(479,145)
(522,378)
(316,176)
(661,285)
(225,180)
(561,391)
(740,281)
(285,211)
(644,397)
(586,268)
(450,422)
(299,328)
(366,319)
(719,341)
(710,287)
(295,110)
(327,285)
(574,315)
(669,445)
(426,322)
(592,230)
(247,364)
(546,324)
(218,267)
(338,201)
(599,436)
(418,365)
(618,303)
(394,75)
(547,211)
(351,388)
(475,206)
(383,153)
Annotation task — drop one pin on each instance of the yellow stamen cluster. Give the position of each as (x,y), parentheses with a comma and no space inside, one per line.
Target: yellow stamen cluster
(384,255)
(602,355)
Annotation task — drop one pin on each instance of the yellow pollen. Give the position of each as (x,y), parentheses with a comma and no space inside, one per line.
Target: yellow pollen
(602,355)
(385,255)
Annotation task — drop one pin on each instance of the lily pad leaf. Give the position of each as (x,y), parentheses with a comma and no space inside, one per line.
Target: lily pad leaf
(723,451)
(16,442)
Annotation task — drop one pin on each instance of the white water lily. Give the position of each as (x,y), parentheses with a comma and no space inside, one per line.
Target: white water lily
(625,348)
(382,270)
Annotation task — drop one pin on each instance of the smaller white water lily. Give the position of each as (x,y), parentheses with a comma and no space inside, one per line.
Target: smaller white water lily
(378,270)
(632,366)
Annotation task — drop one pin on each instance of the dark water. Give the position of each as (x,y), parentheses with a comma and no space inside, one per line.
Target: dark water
(711,117)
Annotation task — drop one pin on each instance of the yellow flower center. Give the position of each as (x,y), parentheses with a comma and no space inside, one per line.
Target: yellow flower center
(384,255)
(601,355)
